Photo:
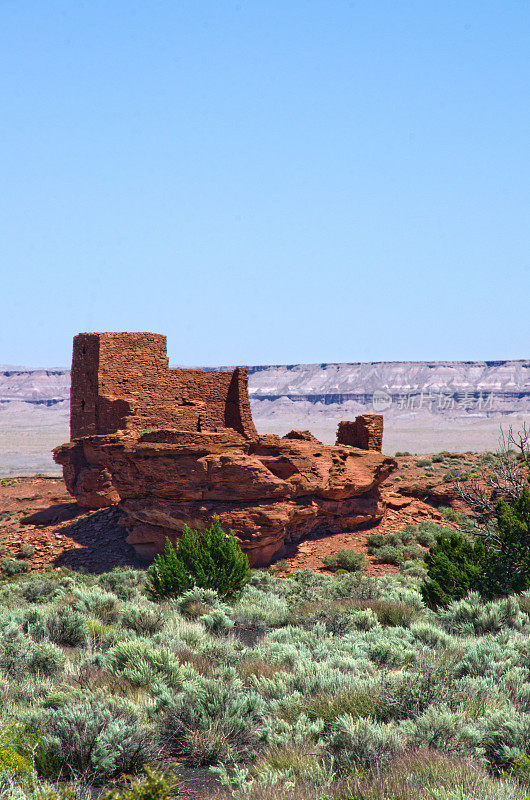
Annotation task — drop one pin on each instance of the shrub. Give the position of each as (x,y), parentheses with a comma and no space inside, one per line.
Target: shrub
(524,603)
(388,554)
(414,569)
(348,560)
(67,627)
(375,540)
(364,742)
(425,536)
(143,621)
(423,462)
(363,619)
(205,747)
(506,738)
(15,650)
(36,588)
(520,769)
(12,566)
(144,664)
(510,565)
(453,569)
(196,602)
(96,601)
(451,475)
(45,659)
(26,550)
(439,727)
(451,514)
(407,535)
(357,702)
(392,614)
(413,552)
(393,539)
(228,712)
(493,565)
(153,787)
(122,581)
(217,622)
(12,761)
(377,543)
(211,560)
(89,740)
(473,615)
(99,633)
(258,609)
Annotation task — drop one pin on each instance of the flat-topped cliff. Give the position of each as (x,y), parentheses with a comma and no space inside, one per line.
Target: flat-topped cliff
(508,383)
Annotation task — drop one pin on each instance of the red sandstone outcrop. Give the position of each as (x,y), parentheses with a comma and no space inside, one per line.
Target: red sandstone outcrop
(195,454)
(305,436)
(268,490)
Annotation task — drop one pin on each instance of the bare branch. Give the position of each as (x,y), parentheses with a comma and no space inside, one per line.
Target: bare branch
(505,477)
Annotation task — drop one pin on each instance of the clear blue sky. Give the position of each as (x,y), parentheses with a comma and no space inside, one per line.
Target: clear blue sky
(266,181)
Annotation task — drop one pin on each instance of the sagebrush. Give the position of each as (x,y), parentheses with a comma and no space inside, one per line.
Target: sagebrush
(336,687)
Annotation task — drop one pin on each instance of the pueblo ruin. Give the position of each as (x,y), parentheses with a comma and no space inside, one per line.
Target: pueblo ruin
(178,446)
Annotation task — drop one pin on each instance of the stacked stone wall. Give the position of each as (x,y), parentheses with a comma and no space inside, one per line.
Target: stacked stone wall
(121,381)
(366,432)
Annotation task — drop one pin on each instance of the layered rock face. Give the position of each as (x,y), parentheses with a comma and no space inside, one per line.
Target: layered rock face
(269,490)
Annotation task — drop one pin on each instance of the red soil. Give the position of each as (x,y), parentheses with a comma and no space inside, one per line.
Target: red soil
(62,533)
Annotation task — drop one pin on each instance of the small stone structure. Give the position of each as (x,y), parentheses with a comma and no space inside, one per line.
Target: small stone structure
(365,432)
(121,381)
(176,447)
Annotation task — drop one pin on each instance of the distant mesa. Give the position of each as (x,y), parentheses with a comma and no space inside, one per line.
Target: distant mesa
(178,446)
(399,388)
(428,406)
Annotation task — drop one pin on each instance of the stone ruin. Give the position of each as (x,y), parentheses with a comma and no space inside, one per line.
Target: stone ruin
(178,446)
